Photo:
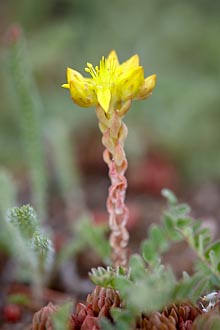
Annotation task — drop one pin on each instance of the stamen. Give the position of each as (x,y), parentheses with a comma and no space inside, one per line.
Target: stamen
(103,74)
(102,63)
(90,69)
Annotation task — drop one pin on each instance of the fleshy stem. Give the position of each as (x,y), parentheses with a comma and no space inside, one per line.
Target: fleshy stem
(114,133)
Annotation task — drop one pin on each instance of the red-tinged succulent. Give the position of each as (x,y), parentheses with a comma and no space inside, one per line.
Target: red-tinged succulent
(98,304)
(102,300)
(183,314)
(42,320)
(90,323)
(176,317)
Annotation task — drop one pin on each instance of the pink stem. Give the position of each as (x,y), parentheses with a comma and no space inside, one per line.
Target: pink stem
(118,212)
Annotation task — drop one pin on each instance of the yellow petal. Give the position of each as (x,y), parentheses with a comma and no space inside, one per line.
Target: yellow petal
(131,63)
(147,87)
(104,98)
(129,86)
(73,74)
(112,57)
(82,93)
(81,89)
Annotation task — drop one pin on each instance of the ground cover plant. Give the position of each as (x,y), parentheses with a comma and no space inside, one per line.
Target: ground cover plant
(132,290)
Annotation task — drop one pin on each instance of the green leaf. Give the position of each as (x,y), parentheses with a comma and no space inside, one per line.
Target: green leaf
(123,285)
(137,267)
(215,246)
(215,281)
(158,239)
(170,196)
(105,324)
(170,228)
(180,211)
(201,245)
(123,318)
(191,288)
(205,233)
(148,251)
(181,290)
(214,259)
(199,289)
(183,222)
(61,317)
(185,276)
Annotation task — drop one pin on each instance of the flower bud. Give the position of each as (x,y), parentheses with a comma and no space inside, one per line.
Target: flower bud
(147,87)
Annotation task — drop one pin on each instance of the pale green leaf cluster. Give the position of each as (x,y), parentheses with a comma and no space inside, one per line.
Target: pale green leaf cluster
(33,251)
(24,219)
(106,276)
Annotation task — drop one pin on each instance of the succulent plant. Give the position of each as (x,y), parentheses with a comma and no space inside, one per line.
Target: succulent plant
(42,320)
(172,318)
(98,304)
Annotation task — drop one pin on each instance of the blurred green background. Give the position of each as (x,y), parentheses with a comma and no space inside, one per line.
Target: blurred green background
(178,40)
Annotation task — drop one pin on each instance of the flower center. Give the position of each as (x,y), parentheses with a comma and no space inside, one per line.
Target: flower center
(104,75)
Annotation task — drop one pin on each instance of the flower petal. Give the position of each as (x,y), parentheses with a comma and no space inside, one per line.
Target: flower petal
(82,93)
(131,63)
(81,89)
(73,74)
(130,83)
(104,98)
(112,57)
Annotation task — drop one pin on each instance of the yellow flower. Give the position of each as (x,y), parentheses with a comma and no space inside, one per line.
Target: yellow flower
(110,83)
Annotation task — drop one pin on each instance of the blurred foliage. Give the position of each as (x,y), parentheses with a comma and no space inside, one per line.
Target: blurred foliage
(32,250)
(177,40)
(7,200)
(28,242)
(87,235)
(31,116)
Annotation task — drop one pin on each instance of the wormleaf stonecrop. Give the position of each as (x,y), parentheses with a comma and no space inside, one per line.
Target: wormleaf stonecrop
(111,88)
